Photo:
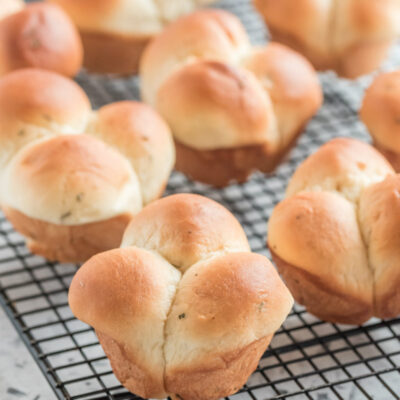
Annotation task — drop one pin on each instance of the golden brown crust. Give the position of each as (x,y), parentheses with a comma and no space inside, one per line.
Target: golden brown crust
(74,243)
(40,36)
(380,112)
(125,294)
(209,35)
(320,298)
(71,180)
(229,293)
(213,105)
(342,165)
(292,84)
(185,228)
(318,232)
(41,98)
(231,371)
(391,156)
(222,167)
(112,53)
(129,371)
(359,59)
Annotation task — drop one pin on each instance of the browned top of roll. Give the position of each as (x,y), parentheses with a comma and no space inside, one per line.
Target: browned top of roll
(342,165)
(185,228)
(42,98)
(41,35)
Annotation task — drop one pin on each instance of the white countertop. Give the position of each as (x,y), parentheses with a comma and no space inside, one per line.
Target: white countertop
(20,377)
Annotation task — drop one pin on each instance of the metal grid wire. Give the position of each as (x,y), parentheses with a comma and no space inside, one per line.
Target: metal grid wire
(307,359)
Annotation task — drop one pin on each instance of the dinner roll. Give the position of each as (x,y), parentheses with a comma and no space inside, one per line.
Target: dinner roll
(232,108)
(56,185)
(380,112)
(335,236)
(115,32)
(184,309)
(39,35)
(351,37)
(74,177)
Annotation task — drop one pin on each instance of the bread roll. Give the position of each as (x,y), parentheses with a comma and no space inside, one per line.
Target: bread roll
(335,237)
(74,177)
(40,36)
(184,309)
(58,185)
(380,113)
(232,108)
(351,37)
(115,32)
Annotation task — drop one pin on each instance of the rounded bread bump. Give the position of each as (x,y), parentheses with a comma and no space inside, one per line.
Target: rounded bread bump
(125,294)
(223,307)
(40,35)
(292,84)
(34,104)
(216,106)
(342,165)
(143,137)
(213,35)
(317,235)
(185,228)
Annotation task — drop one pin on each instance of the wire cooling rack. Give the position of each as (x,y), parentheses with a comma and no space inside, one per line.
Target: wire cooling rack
(307,359)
